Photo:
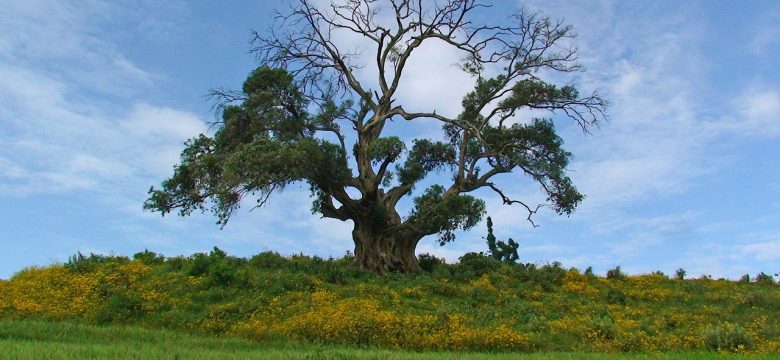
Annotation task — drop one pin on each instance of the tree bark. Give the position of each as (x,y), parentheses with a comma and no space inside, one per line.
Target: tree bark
(380,250)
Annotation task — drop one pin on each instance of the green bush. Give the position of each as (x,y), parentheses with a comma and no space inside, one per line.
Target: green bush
(149,258)
(85,264)
(474,265)
(680,274)
(616,273)
(121,307)
(764,279)
(615,296)
(268,260)
(428,262)
(727,337)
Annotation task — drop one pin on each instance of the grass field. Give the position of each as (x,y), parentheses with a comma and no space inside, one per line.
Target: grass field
(63,340)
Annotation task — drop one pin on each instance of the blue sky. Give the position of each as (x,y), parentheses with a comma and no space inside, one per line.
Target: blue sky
(96,99)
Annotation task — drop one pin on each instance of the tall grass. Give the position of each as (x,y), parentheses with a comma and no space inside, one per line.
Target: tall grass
(65,341)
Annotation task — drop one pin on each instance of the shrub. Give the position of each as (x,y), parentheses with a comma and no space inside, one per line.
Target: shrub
(84,264)
(745,279)
(615,273)
(680,274)
(120,307)
(602,327)
(728,337)
(476,264)
(428,262)
(551,274)
(268,260)
(764,279)
(589,271)
(659,274)
(198,265)
(615,296)
(149,258)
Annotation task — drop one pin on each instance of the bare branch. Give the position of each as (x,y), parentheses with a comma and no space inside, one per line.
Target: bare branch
(508,201)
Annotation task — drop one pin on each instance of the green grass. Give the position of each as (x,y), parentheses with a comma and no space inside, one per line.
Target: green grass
(63,340)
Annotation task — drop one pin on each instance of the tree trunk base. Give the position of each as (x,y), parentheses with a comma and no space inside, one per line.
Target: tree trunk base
(383,254)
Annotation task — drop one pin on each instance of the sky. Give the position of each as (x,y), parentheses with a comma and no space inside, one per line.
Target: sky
(97,98)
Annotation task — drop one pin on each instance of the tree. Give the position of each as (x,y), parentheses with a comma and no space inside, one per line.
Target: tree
(287,124)
(499,250)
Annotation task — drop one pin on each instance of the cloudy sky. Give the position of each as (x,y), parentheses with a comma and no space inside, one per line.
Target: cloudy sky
(96,99)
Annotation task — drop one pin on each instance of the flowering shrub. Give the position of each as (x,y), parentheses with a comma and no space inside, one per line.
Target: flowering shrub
(482,305)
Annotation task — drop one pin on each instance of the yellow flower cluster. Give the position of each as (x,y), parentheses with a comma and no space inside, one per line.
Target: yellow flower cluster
(51,292)
(364,321)
(55,292)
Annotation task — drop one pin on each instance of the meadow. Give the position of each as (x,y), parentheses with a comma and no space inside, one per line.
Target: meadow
(30,339)
(218,306)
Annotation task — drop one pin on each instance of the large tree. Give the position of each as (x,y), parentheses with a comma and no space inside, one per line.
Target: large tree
(307,115)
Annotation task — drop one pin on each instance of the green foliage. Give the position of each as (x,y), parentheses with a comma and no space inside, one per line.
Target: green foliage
(268,294)
(425,157)
(120,307)
(149,258)
(263,144)
(436,213)
(728,337)
(80,263)
(29,339)
(616,273)
(386,149)
(219,268)
(616,297)
(764,279)
(476,264)
(680,274)
(499,250)
(429,262)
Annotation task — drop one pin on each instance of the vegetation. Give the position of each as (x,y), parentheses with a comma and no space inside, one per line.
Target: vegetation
(307,115)
(67,341)
(479,304)
(499,250)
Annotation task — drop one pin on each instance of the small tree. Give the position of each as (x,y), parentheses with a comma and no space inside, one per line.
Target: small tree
(680,274)
(305,116)
(504,251)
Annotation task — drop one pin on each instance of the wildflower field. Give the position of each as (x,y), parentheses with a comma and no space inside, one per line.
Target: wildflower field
(477,305)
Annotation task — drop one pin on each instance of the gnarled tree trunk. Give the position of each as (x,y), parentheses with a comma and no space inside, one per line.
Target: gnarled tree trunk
(380,249)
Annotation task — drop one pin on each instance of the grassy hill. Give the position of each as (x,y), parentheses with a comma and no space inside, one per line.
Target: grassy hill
(479,304)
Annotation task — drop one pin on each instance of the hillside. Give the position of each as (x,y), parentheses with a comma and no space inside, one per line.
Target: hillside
(479,304)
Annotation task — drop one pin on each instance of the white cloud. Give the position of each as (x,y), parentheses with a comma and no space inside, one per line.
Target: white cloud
(769,250)
(758,113)
(60,132)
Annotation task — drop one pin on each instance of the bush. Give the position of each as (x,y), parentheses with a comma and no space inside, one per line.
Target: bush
(120,307)
(616,273)
(149,258)
(84,264)
(603,327)
(428,262)
(764,279)
(728,337)
(476,264)
(617,297)
(268,260)
(680,274)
